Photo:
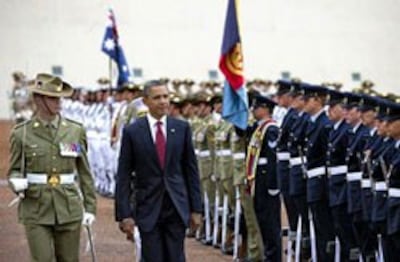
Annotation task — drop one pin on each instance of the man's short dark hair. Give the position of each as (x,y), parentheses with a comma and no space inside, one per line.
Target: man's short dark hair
(149,84)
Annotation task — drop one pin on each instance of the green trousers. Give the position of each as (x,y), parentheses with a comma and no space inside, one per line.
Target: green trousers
(48,243)
(255,246)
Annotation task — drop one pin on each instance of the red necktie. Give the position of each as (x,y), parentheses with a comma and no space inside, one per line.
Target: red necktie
(160,144)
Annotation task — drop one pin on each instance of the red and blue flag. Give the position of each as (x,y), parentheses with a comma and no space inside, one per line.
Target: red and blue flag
(235,102)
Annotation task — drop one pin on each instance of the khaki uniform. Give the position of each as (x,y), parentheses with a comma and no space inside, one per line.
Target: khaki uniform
(224,161)
(255,246)
(52,211)
(203,133)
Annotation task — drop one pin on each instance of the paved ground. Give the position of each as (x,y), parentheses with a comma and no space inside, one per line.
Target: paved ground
(110,243)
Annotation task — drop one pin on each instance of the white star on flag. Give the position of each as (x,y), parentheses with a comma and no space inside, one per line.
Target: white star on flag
(109,44)
(124,68)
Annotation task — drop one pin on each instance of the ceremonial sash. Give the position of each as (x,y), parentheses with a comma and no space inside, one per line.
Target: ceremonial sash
(254,148)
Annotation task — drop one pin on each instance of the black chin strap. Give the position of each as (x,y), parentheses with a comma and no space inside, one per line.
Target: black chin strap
(43,101)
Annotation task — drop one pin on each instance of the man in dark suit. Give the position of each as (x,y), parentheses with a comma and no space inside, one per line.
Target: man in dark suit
(157,151)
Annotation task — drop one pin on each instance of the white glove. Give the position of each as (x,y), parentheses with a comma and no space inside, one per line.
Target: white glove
(19,184)
(88,219)
(273,192)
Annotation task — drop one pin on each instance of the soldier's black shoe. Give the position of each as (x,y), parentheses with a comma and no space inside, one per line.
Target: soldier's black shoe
(206,242)
(190,234)
(228,250)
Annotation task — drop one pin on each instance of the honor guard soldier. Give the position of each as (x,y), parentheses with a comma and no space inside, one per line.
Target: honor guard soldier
(175,106)
(284,100)
(357,138)
(317,136)
(215,101)
(202,136)
(337,170)
(48,159)
(368,115)
(262,178)
(223,166)
(376,158)
(393,178)
(135,106)
(297,172)
(252,247)
(252,242)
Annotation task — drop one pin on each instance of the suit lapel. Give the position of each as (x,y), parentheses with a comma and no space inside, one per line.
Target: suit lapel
(148,140)
(170,140)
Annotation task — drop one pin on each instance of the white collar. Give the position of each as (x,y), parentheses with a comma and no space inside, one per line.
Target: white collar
(373,131)
(337,124)
(356,127)
(397,144)
(315,116)
(153,121)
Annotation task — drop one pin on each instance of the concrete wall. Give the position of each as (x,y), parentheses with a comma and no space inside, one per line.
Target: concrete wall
(315,40)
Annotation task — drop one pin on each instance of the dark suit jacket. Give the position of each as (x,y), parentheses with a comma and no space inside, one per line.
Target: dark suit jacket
(180,178)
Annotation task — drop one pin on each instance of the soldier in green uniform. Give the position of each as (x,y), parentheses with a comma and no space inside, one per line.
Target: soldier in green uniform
(223,171)
(252,243)
(48,161)
(203,133)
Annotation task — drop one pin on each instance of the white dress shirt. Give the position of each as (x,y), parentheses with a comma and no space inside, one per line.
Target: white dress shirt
(153,126)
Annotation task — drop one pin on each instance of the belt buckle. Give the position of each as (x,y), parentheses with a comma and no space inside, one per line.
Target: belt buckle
(53,180)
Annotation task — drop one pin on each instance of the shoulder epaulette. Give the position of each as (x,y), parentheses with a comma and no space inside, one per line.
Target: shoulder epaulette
(71,121)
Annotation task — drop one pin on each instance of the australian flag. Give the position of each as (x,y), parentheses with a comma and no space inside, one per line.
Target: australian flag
(235,102)
(111,47)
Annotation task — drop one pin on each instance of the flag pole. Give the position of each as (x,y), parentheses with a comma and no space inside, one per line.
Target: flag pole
(110,72)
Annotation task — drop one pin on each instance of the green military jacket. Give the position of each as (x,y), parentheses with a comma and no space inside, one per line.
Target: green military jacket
(60,151)
(202,147)
(223,162)
(238,148)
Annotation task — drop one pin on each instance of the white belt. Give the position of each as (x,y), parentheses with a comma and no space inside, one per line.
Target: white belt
(337,170)
(318,171)
(295,161)
(283,156)
(353,176)
(262,161)
(92,133)
(366,183)
(394,192)
(238,156)
(196,151)
(224,152)
(204,153)
(380,186)
(41,178)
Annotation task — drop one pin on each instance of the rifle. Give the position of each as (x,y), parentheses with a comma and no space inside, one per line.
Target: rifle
(237,223)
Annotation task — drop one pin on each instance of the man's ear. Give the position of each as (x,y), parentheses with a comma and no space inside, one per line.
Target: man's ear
(146,100)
